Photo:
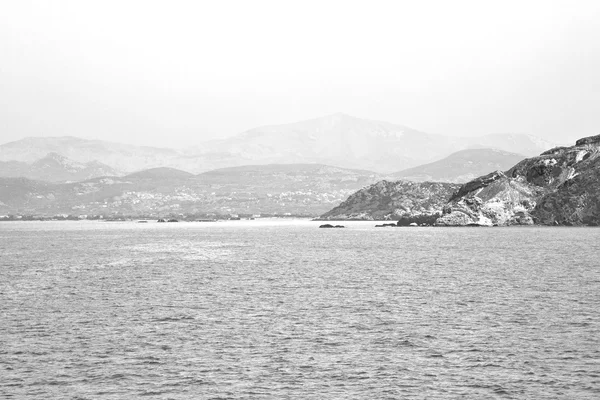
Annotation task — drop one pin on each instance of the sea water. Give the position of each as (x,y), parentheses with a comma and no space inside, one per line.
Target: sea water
(284,310)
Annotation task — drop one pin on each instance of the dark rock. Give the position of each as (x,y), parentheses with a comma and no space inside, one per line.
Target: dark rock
(161,220)
(423,219)
(595,140)
(477,183)
(172,220)
(331,226)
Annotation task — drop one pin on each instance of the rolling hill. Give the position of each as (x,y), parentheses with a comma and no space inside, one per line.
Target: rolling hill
(462,166)
(306,189)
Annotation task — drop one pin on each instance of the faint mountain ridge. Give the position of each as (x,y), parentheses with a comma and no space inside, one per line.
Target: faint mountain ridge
(338,139)
(55,167)
(351,142)
(119,156)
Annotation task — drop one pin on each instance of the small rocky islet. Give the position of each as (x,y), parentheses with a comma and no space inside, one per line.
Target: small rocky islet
(559,187)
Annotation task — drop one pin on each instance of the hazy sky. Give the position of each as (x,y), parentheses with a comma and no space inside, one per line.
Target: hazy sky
(173,73)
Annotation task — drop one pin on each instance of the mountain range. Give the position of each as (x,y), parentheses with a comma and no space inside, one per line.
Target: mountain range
(339,140)
(305,168)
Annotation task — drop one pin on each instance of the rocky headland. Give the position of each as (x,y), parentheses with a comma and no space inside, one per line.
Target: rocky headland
(559,187)
(404,201)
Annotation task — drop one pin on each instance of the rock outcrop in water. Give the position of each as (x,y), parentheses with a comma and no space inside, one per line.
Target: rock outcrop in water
(559,187)
(420,202)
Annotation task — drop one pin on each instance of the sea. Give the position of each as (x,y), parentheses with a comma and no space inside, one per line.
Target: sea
(280,309)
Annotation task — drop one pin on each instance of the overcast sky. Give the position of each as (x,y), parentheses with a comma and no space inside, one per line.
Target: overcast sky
(174,73)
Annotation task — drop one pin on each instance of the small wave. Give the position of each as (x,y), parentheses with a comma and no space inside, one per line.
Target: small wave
(435,355)
(174,318)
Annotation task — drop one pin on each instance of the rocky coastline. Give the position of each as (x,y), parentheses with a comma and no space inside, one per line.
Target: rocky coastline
(404,201)
(560,187)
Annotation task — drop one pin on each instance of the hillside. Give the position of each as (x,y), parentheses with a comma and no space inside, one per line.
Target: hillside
(559,187)
(462,166)
(297,189)
(401,200)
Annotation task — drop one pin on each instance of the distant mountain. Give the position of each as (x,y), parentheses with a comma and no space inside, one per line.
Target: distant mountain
(307,189)
(400,200)
(462,166)
(337,139)
(121,157)
(55,168)
(351,142)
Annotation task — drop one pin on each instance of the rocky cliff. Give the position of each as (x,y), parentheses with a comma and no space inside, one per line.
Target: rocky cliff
(559,187)
(405,201)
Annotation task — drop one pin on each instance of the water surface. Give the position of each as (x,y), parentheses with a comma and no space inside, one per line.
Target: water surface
(254,309)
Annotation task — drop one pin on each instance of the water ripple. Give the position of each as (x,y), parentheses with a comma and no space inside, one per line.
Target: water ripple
(289,311)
